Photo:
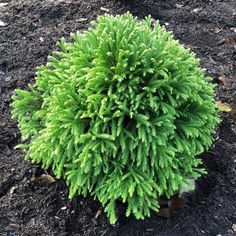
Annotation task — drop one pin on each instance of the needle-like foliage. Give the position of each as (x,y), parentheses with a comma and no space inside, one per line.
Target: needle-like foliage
(120,111)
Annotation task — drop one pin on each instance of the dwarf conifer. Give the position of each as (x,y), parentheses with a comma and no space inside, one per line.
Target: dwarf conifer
(120,111)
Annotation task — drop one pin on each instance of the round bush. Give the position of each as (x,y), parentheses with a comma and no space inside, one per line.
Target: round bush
(120,111)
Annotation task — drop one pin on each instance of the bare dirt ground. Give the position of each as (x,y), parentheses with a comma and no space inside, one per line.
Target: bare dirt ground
(29,204)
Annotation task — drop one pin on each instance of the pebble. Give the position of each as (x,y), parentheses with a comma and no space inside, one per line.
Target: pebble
(179,5)
(2,24)
(3,4)
(234,227)
(233,29)
(13,189)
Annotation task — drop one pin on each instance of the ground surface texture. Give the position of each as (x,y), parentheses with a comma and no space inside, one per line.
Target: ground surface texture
(31,206)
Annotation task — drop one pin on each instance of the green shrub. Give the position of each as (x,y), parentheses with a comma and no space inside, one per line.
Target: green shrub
(120,112)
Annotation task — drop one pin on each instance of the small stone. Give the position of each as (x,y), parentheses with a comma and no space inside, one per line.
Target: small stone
(179,5)
(234,227)
(13,189)
(3,4)
(233,29)
(2,24)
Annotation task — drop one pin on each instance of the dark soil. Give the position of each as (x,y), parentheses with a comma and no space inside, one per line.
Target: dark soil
(30,205)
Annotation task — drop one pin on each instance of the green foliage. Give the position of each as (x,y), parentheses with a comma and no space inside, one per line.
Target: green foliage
(120,111)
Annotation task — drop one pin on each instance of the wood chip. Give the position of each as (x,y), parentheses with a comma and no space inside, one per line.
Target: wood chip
(12,189)
(216,30)
(223,106)
(211,60)
(99,212)
(222,41)
(196,10)
(81,19)
(104,9)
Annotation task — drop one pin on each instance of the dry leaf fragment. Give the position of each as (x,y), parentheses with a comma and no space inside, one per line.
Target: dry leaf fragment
(165,212)
(222,80)
(32,179)
(176,202)
(47,178)
(168,206)
(223,106)
(232,39)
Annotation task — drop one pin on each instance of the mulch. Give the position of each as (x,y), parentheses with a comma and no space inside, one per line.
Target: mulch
(31,205)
